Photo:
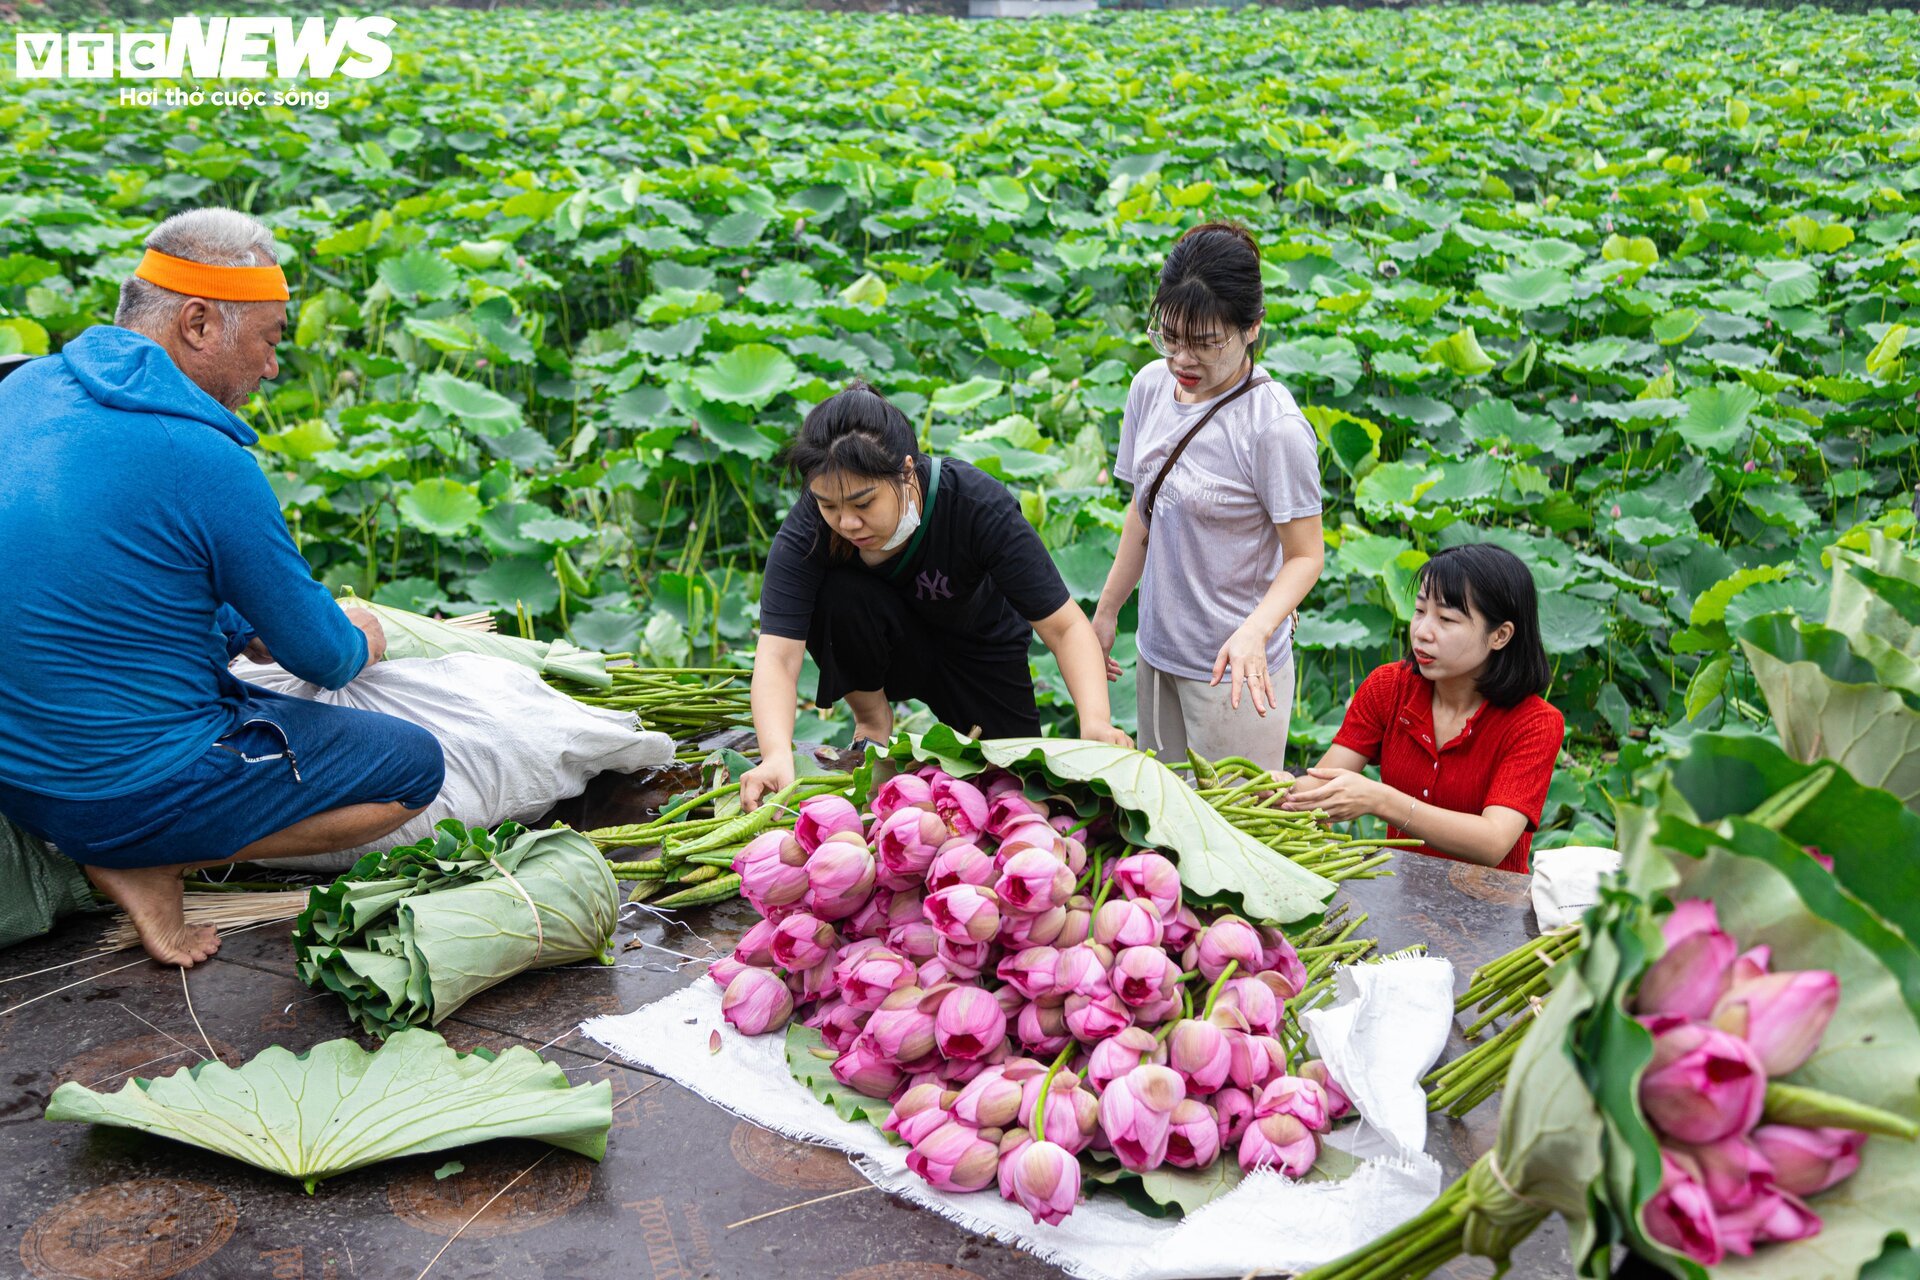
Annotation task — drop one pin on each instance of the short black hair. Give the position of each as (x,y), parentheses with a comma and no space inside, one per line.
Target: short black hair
(856,432)
(1489,579)
(1211,276)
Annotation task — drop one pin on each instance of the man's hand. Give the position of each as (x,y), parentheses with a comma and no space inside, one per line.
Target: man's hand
(369,627)
(1341,794)
(765,779)
(1246,653)
(256,651)
(1106,733)
(1106,629)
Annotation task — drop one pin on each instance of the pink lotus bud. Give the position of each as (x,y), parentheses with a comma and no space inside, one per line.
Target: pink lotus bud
(1690,977)
(1774,1217)
(1278,1142)
(997,782)
(1046,1181)
(1199,1052)
(963,913)
(1081,971)
(1121,1053)
(1042,1028)
(1733,1171)
(862,1069)
(964,960)
(772,880)
(1075,854)
(1143,976)
(969,1024)
(1029,971)
(1781,1016)
(1295,1096)
(1155,1012)
(802,941)
(1193,1136)
(1009,809)
(1754,963)
(954,1157)
(1012,1143)
(808,985)
(919,1111)
(960,805)
(1092,1018)
(1149,876)
(916,940)
(1010,1000)
(756,946)
(1128,922)
(1228,939)
(724,970)
(1073,1113)
(1256,1060)
(1703,1083)
(1079,925)
(1338,1104)
(902,791)
(1808,1161)
(821,817)
(990,1101)
(1135,1112)
(960,1072)
(756,1002)
(839,879)
(1680,1216)
(899,1030)
(868,978)
(1247,1004)
(958,862)
(1181,929)
(871,921)
(906,844)
(1030,833)
(1036,930)
(1033,881)
(1281,964)
(838,1023)
(771,846)
(1234,1110)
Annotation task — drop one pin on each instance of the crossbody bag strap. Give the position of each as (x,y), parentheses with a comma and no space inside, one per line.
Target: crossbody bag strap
(1153,491)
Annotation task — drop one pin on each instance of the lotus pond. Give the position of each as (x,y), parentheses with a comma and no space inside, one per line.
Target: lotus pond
(1629,297)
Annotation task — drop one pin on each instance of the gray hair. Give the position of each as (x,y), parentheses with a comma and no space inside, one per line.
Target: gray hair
(214,237)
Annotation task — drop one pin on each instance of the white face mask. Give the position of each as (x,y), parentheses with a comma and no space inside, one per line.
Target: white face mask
(909,521)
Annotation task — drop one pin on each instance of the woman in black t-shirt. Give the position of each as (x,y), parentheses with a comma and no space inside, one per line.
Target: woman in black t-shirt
(908,577)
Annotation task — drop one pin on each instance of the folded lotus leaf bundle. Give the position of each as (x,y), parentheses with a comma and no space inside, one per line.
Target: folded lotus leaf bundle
(411,934)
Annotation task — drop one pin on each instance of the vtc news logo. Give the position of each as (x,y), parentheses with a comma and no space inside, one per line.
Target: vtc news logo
(230,48)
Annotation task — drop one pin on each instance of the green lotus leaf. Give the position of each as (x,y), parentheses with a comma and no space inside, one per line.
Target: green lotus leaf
(751,375)
(478,409)
(439,506)
(1331,360)
(1528,289)
(337,1107)
(971,394)
(1716,417)
(736,230)
(1006,193)
(1461,354)
(418,274)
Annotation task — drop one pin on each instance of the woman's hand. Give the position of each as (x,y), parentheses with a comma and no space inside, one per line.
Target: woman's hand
(1106,629)
(1246,653)
(1341,794)
(1106,733)
(765,779)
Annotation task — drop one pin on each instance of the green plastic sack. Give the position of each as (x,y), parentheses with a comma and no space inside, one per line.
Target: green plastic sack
(43,885)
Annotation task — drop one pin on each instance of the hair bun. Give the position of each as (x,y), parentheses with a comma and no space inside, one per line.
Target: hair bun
(1233,229)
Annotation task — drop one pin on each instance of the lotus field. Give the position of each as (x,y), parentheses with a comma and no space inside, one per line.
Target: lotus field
(1629,297)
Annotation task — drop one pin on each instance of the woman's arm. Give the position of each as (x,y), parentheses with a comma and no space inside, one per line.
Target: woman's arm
(775,695)
(1304,548)
(1129,562)
(1067,633)
(1343,794)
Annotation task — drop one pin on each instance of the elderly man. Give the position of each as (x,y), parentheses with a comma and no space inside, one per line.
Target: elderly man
(142,549)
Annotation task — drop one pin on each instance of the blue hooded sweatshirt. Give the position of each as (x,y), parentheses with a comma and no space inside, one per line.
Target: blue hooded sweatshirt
(138,541)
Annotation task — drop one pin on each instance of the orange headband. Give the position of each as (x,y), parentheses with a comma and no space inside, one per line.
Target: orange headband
(224,284)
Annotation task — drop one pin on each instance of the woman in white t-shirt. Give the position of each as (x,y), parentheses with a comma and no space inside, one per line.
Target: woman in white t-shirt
(1226,478)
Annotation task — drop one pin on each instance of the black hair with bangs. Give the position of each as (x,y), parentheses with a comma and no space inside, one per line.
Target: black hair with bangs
(1492,581)
(1211,277)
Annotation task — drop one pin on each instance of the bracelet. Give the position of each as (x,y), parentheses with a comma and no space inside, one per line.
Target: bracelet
(1412,807)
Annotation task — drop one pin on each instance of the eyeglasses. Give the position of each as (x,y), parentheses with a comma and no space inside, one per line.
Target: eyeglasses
(1205,352)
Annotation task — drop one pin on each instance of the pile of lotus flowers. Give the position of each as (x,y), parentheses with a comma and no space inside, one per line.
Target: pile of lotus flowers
(1723,1024)
(1021,1004)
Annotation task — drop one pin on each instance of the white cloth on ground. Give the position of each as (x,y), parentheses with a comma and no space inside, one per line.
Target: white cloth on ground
(1268,1223)
(514,746)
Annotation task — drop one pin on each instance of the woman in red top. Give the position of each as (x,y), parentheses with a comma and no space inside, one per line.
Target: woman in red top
(1464,741)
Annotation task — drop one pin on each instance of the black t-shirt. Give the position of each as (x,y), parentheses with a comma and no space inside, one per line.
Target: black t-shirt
(978,576)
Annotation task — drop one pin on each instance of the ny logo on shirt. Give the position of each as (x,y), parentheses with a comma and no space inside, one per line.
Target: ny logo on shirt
(932,585)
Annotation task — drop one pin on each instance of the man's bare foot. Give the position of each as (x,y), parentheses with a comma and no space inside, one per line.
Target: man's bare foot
(155,900)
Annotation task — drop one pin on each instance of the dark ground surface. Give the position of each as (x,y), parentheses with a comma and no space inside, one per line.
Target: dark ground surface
(670,1201)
